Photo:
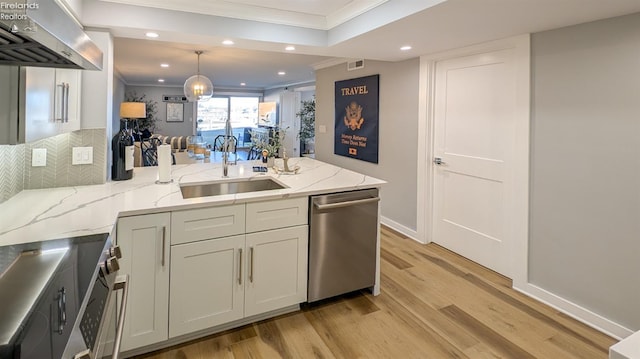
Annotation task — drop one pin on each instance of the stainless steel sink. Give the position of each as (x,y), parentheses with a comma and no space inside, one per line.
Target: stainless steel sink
(229,187)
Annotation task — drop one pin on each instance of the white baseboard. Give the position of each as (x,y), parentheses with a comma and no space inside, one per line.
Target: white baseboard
(575,311)
(400,228)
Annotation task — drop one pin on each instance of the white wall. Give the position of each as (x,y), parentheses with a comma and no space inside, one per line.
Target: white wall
(585,167)
(398,134)
(119,89)
(97,95)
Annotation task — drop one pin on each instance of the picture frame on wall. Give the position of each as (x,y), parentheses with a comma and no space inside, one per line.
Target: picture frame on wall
(175,112)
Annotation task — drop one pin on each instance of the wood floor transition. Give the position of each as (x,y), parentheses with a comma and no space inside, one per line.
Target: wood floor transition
(434,304)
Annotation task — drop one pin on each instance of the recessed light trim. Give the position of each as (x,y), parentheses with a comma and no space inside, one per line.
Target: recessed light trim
(228,42)
(405,48)
(290,48)
(152,35)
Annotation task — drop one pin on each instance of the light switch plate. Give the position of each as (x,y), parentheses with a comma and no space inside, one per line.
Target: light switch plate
(322,129)
(39,157)
(82,156)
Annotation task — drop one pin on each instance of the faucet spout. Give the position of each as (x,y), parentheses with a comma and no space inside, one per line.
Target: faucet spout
(228,134)
(225,164)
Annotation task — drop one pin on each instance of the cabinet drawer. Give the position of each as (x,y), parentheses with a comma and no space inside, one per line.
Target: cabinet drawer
(206,223)
(277,214)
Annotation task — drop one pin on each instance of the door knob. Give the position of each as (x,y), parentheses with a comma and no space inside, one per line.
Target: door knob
(438,161)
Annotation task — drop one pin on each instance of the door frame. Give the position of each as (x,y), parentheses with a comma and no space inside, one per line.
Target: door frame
(519,228)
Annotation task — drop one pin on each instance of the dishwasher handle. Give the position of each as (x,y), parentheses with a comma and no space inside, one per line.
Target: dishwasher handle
(346,203)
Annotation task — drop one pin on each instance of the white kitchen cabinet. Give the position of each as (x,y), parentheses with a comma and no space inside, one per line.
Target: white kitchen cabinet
(232,275)
(221,280)
(144,241)
(277,214)
(71,116)
(52,102)
(207,287)
(276,269)
(206,223)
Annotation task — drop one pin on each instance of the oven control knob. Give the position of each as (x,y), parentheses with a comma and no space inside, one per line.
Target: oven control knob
(115,252)
(112,265)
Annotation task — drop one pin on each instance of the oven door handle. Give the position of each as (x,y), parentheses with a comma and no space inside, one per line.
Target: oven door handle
(121,283)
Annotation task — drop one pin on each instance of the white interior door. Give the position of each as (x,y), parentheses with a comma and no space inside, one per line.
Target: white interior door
(289,106)
(474,137)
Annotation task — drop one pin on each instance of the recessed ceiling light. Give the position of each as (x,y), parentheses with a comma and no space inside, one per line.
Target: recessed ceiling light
(405,48)
(243,84)
(160,80)
(290,48)
(164,65)
(152,34)
(281,73)
(227,42)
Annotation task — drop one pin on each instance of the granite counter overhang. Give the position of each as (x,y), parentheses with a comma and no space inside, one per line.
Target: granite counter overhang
(53,213)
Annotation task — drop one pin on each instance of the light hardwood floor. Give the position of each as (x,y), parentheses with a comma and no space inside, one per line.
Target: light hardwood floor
(434,304)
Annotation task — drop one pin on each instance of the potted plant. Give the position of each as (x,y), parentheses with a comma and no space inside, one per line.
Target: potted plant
(144,127)
(307,115)
(269,143)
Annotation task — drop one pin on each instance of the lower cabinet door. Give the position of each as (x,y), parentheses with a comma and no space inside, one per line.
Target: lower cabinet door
(207,284)
(276,269)
(144,241)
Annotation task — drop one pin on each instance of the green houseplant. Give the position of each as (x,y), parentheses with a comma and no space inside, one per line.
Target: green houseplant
(270,142)
(307,115)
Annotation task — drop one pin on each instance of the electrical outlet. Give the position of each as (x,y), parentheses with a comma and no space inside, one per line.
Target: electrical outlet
(322,129)
(39,157)
(82,156)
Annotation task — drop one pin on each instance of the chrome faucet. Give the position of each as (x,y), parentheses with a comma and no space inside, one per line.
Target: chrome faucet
(225,148)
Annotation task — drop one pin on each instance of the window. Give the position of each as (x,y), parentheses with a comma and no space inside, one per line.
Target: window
(212,114)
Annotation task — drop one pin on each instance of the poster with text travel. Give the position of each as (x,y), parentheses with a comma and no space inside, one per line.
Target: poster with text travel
(356,127)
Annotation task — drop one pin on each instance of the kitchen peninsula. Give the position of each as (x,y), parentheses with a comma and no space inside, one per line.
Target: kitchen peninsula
(51,213)
(140,205)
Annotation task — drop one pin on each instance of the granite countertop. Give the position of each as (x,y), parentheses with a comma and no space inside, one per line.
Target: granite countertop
(52,213)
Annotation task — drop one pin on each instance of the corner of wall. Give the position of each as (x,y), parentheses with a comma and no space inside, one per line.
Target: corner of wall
(12,158)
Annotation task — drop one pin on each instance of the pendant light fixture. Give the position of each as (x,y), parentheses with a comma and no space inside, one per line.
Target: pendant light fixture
(198,87)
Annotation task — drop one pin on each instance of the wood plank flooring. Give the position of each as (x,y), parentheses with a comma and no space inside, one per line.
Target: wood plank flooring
(434,304)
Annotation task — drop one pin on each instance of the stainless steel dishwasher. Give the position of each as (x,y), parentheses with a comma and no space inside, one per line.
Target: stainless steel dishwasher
(342,245)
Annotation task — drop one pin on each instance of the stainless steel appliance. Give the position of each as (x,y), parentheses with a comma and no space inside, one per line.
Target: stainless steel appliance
(55,298)
(42,33)
(342,244)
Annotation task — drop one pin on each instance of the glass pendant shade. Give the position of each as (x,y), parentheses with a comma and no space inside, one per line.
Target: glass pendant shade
(198,87)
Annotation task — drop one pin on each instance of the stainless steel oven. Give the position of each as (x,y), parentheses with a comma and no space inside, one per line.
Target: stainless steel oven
(58,298)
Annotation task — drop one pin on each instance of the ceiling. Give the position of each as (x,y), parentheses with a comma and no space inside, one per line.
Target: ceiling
(324,32)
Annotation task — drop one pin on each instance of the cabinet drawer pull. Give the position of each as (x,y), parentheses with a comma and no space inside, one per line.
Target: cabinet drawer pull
(66,102)
(240,267)
(251,264)
(164,243)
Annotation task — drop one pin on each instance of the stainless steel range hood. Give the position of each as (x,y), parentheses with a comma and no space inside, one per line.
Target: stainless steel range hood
(44,34)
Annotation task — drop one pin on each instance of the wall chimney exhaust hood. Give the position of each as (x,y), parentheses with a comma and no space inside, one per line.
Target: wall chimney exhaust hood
(44,34)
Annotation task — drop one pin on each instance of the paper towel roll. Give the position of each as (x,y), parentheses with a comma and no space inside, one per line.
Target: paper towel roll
(164,163)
